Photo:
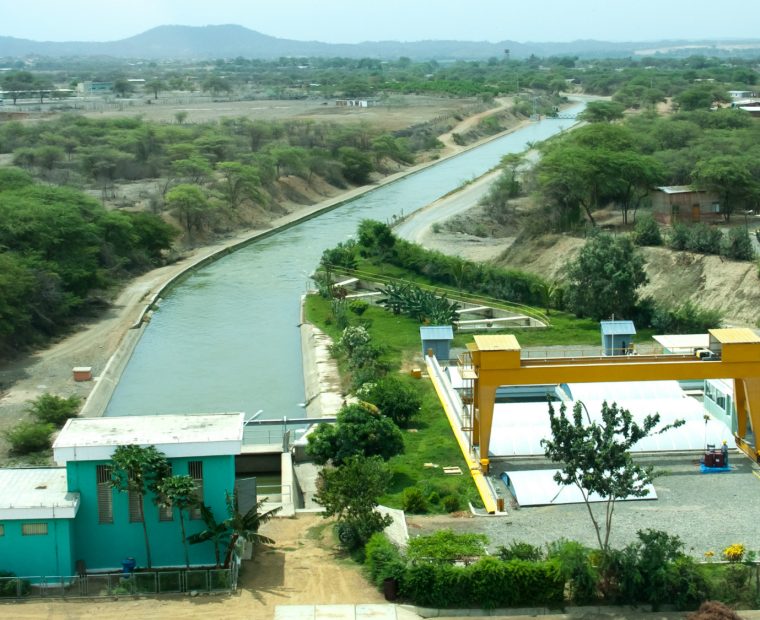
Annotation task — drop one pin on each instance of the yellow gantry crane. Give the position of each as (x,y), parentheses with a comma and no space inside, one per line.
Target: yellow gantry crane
(493,361)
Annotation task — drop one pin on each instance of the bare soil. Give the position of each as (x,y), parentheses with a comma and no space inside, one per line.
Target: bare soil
(303,567)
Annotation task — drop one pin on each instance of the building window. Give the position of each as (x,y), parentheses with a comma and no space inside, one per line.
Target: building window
(195,469)
(34,529)
(2,529)
(135,507)
(166,513)
(105,494)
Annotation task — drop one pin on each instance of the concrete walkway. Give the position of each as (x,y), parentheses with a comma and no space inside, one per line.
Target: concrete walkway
(343,612)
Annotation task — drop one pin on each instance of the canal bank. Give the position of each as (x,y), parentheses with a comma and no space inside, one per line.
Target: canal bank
(107,380)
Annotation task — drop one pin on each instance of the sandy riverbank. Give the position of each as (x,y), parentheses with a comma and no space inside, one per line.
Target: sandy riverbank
(112,334)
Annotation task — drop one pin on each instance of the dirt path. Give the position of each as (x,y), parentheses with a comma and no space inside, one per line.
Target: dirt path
(450,147)
(301,568)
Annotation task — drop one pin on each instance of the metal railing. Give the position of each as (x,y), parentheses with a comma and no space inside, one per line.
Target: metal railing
(115,584)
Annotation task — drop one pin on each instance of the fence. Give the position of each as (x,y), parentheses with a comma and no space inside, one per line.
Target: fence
(115,584)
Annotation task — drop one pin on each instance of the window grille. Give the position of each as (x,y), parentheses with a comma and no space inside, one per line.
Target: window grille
(195,469)
(34,529)
(105,494)
(135,507)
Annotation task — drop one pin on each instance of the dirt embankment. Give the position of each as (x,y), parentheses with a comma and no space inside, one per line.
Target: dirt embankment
(712,282)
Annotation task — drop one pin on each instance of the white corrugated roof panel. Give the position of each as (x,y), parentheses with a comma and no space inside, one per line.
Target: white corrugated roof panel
(518,428)
(537,487)
(36,493)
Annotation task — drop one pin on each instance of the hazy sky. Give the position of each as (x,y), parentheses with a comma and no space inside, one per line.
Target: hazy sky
(352,21)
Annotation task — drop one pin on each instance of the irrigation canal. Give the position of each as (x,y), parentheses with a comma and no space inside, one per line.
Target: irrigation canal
(227,339)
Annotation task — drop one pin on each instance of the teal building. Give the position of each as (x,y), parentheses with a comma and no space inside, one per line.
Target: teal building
(63,520)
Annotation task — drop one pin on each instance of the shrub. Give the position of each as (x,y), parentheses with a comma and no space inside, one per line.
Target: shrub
(488,583)
(575,566)
(9,585)
(679,237)
(358,307)
(647,231)
(395,398)
(705,239)
(55,410)
(734,553)
(687,318)
(434,498)
(451,503)
(520,551)
(413,501)
(382,559)
(446,546)
(737,245)
(28,437)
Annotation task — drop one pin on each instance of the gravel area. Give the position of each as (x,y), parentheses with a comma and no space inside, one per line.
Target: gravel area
(707,511)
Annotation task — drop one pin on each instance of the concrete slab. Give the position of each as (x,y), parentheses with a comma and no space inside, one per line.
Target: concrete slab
(335,612)
(376,612)
(294,612)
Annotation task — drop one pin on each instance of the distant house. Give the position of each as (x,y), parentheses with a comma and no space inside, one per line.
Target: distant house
(94,88)
(740,94)
(355,103)
(59,521)
(685,204)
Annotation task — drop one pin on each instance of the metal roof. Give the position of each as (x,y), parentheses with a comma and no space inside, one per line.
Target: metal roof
(86,439)
(36,493)
(678,189)
(505,342)
(436,332)
(735,335)
(683,342)
(618,328)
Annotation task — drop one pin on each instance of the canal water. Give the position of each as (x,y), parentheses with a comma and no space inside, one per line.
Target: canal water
(227,337)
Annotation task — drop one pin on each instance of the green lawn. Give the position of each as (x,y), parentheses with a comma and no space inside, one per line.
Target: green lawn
(429,439)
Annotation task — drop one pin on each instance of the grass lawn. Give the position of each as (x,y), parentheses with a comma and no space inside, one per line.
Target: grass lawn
(429,438)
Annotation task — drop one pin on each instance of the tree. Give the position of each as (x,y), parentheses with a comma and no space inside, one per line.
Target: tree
(357,166)
(17,83)
(190,205)
(602,112)
(246,525)
(604,278)
(395,398)
(732,178)
(155,86)
(239,182)
(360,429)
(139,470)
(215,85)
(123,87)
(350,493)
(216,532)
(595,457)
(178,492)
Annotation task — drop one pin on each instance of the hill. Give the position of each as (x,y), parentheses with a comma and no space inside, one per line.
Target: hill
(229,41)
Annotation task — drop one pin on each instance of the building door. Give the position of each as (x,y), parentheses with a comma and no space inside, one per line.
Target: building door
(695,213)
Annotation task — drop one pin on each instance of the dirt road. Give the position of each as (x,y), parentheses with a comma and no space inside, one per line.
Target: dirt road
(303,567)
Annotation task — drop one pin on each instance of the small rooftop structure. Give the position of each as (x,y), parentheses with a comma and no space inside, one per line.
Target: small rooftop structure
(92,439)
(683,343)
(617,337)
(438,339)
(36,493)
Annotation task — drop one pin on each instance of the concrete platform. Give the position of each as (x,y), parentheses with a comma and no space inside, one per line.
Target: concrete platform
(343,612)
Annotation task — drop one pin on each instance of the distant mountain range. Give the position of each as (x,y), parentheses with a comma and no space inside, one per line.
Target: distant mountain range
(229,41)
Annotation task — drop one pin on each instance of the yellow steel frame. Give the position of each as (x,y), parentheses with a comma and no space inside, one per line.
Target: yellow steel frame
(495,361)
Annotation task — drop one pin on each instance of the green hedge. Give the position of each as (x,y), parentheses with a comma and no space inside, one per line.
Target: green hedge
(488,583)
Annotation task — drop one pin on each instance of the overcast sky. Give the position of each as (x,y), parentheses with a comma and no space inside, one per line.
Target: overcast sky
(352,21)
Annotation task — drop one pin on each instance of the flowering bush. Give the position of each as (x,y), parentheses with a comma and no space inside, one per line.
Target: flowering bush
(734,553)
